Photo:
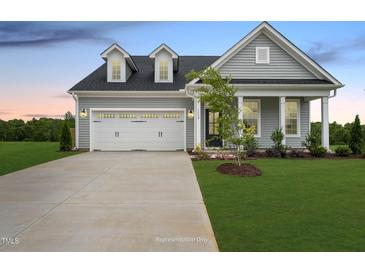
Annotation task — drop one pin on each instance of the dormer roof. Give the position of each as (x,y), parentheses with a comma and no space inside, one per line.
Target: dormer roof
(163,46)
(126,55)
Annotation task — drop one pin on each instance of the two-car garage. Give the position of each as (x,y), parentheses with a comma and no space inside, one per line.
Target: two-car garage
(137,129)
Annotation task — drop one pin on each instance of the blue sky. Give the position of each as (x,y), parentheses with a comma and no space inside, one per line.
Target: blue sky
(40,61)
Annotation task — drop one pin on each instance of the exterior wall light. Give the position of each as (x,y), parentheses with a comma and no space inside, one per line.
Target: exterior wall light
(190,114)
(83,113)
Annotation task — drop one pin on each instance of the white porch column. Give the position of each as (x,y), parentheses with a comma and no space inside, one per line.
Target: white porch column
(325,123)
(282,116)
(197,119)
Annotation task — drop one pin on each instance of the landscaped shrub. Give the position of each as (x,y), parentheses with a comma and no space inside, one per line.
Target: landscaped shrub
(65,138)
(200,154)
(249,141)
(356,141)
(318,152)
(313,143)
(279,149)
(343,151)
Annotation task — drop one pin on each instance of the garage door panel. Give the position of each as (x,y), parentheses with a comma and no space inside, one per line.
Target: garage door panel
(147,130)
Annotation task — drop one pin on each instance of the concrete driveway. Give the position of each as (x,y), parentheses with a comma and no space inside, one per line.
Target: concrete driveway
(105,201)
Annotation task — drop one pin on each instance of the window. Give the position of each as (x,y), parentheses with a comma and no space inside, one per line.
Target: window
(251,113)
(292,117)
(164,70)
(262,55)
(115,70)
(213,123)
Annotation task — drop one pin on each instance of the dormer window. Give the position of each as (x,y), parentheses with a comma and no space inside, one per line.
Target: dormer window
(164,70)
(120,64)
(165,64)
(116,70)
(262,55)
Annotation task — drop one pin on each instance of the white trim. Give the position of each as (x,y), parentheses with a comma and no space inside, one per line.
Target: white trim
(258,135)
(133,109)
(132,93)
(76,120)
(309,116)
(161,47)
(283,93)
(298,118)
(282,117)
(267,61)
(325,122)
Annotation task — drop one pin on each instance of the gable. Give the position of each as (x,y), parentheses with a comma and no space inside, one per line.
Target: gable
(243,65)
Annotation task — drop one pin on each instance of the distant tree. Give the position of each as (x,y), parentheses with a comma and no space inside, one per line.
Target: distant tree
(65,139)
(316,128)
(355,143)
(70,119)
(15,130)
(3,130)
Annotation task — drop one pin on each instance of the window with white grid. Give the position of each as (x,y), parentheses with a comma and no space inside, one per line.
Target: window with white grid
(292,117)
(164,70)
(251,113)
(116,70)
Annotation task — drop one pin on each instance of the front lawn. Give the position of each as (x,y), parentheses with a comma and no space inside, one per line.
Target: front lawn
(18,155)
(296,205)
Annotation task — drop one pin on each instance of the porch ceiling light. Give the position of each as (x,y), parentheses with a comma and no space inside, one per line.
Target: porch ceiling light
(190,114)
(83,113)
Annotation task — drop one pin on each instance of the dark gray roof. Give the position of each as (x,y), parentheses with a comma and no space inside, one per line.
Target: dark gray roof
(144,79)
(281,81)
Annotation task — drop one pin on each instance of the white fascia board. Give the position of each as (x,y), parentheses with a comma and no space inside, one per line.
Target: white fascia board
(165,47)
(274,87)
(131,93)
(285,93)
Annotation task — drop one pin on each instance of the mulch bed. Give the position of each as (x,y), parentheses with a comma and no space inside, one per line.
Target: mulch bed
(243,170)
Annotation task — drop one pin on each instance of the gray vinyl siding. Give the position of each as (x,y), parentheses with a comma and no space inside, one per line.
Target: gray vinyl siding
(282,65)
(270,122)
(115,102)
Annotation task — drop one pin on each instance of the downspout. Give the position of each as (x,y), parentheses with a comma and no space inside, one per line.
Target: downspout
(76,120)
(334,94)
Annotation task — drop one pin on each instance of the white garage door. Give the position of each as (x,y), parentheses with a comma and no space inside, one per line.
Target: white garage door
(138,130)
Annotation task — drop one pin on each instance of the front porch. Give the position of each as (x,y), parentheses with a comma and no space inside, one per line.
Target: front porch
(267,113)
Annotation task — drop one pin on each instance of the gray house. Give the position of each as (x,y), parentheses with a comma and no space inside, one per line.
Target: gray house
(146,103)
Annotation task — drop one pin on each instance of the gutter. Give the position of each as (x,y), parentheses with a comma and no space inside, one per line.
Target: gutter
(76,120)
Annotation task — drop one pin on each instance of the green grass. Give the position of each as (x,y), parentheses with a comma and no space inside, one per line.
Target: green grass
(296,205)
(19,155)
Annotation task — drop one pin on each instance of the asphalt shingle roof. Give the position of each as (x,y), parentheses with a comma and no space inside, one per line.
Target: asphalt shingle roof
(144,79)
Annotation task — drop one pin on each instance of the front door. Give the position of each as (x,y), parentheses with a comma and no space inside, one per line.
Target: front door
(212,129)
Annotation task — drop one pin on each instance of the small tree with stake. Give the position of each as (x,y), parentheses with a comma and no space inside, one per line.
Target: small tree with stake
(356,140)
(220,96)
(65,139)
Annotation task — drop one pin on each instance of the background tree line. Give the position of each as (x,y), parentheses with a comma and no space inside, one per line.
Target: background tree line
(339,134)
(43,129)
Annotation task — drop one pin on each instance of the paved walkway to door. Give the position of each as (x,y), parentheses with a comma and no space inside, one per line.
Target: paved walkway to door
(105,201)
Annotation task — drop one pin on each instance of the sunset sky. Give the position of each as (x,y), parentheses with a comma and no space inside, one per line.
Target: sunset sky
(40,61)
